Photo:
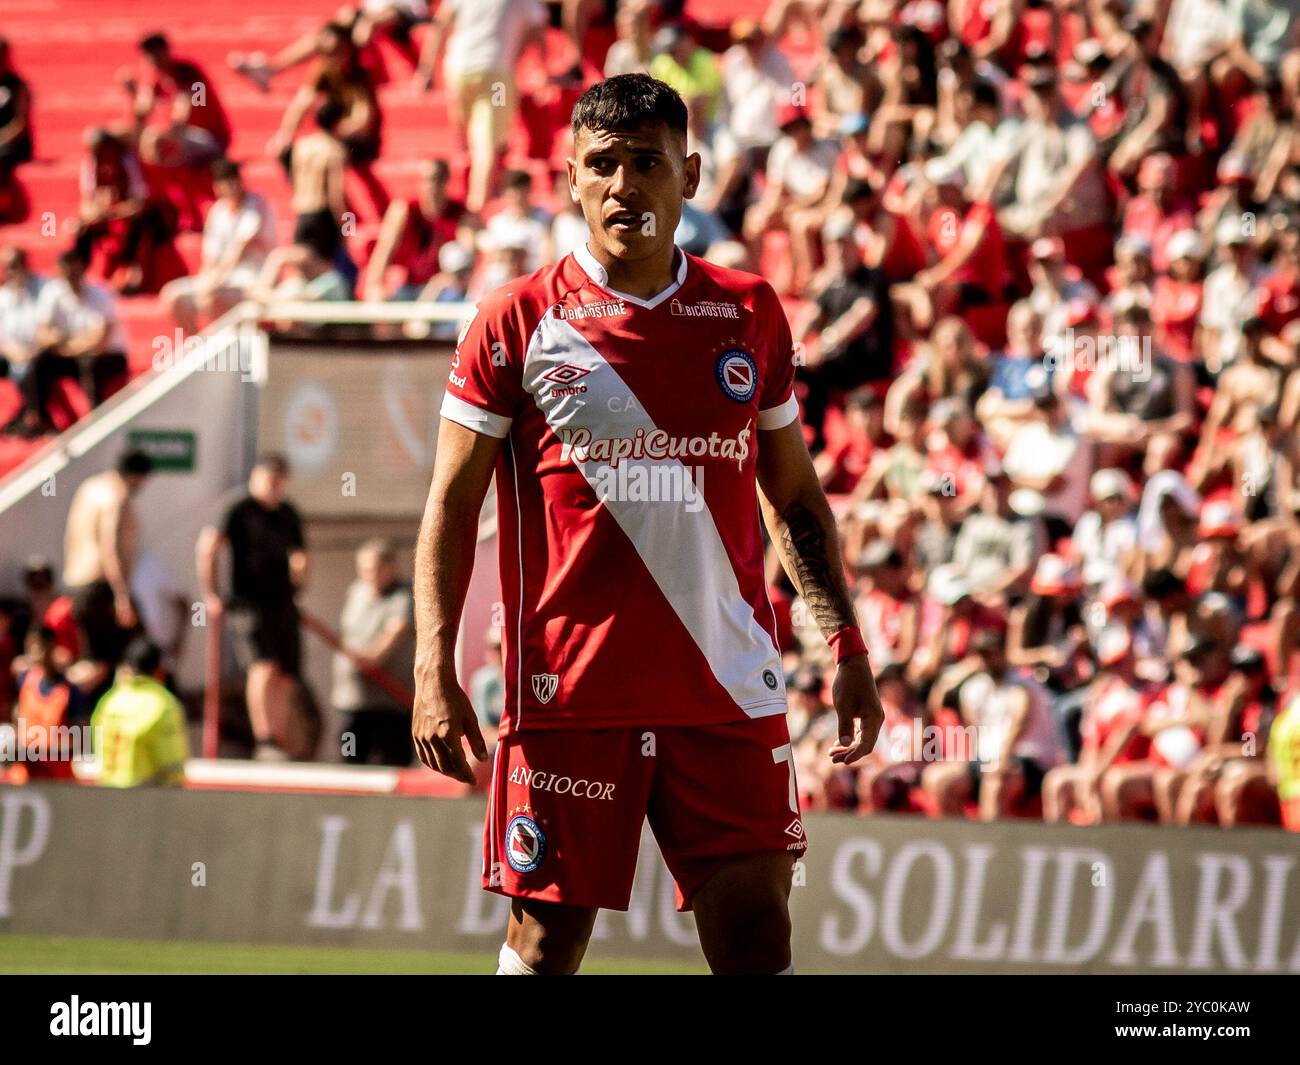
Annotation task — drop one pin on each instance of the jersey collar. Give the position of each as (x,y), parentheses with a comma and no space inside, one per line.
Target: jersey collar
(598,274)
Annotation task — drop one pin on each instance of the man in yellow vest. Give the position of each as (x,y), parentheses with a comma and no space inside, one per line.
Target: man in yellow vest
(139,726)
(1284,758)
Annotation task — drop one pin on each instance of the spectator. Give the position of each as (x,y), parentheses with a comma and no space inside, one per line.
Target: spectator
(1016,740)
(79,337)
(48,707)
(799,170)
(518,222)
(194,130)
(139,725)
(1057,182)
(688,68)
(121,220)
(413,233)
(1227,302)
(392,19)
(314,163)
(100,544)
(1112,712)
(163,609)
(484,40)
(377,628)
(238,234)
(339,78)
(487,687)
(300,272)
(1284,762)
(20,291)
(15,136)
(1105,537)
(1050,462)
(853,319)
(632,52)
(268,566)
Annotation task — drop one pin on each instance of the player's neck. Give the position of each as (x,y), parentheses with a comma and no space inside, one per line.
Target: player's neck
(642,278)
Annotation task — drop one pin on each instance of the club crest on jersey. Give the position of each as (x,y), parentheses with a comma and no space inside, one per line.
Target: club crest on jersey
(737,374)
(544,686)
(525,844)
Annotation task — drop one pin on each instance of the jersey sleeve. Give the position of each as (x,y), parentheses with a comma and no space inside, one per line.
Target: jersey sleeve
(485,386)
(777,405)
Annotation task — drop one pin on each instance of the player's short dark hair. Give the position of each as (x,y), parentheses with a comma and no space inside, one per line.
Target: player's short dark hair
(225,170)
(154,42)
(142,655)
(135,462)
(273,462)
(628,102)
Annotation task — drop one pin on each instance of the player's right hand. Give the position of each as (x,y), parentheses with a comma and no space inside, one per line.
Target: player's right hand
(442,715)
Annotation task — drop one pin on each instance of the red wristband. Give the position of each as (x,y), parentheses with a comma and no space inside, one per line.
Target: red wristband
(846,643)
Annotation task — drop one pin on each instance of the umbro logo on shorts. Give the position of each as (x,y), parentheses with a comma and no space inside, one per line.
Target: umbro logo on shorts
(795,829)
(545,685)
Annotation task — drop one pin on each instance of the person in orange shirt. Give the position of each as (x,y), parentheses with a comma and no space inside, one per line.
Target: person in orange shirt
(48,707)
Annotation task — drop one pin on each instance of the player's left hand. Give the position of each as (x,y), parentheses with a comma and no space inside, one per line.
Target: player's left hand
(857,706)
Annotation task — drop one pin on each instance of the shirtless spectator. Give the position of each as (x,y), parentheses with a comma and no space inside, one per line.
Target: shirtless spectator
(412,234)
(194,130)
(315,163)
(237,235)
(99,549)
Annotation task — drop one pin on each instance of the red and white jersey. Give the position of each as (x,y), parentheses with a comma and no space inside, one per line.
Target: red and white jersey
(631,553)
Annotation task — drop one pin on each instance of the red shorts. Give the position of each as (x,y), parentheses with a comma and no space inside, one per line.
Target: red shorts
(566,807)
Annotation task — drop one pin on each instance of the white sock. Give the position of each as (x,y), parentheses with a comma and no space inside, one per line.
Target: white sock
(787,971)
(509,963)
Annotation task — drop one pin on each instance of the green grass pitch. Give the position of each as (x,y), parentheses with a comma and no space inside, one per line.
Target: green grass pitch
(71,955)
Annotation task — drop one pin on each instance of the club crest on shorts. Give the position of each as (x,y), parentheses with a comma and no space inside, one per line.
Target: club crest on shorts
(544,686)
(737,374)
(525,844)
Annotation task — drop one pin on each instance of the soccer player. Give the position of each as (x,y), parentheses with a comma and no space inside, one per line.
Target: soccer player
(636,405)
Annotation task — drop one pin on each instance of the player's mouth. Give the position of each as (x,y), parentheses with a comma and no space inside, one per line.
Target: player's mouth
(623,221)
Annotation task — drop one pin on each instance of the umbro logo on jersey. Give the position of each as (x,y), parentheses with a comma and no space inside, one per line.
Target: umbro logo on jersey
(565,374)
(795,829)
(703,309)
(564,377)
(544,686)
(737,374)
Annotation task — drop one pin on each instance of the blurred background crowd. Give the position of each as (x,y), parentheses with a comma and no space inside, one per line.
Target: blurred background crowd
(1042,264)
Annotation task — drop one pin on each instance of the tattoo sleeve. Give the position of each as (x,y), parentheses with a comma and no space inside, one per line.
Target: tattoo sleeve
(810,546)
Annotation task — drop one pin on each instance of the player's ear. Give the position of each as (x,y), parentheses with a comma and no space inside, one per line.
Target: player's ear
(692,175)
(571,166)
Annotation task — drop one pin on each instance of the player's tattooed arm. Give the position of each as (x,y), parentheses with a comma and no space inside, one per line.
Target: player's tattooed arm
(809,545)
(801,524)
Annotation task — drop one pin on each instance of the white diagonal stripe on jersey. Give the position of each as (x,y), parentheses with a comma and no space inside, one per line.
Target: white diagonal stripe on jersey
(682,551)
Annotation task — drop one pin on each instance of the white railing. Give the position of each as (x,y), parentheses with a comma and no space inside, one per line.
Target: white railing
(240,325)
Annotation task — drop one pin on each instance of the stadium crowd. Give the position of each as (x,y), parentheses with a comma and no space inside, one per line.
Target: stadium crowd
(1042,262)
